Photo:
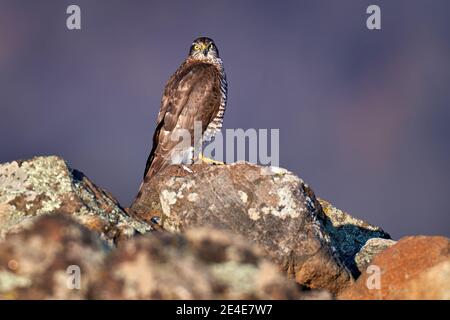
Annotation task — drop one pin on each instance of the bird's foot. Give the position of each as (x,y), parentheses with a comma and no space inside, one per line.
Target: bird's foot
(204,159)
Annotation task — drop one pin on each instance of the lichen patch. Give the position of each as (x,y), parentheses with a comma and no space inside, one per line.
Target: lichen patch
(193,197)
(243,196)
(253,214)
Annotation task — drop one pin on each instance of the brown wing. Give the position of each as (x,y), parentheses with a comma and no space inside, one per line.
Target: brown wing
(191,94)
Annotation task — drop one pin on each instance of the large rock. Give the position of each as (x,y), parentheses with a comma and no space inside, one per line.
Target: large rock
(43,260)
(432,284)
(45,185)
(57,258)
(411,269)
(269,206)
(200,264)
(349,234)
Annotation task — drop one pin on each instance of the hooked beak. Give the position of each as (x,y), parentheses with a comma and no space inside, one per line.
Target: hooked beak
(205,52)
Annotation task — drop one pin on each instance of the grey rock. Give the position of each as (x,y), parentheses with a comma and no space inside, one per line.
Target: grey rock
(57,258)
(53,258)
(203,263)
(45,185)
(370,250)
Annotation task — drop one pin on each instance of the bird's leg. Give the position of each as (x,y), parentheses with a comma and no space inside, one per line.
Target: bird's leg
(204,159)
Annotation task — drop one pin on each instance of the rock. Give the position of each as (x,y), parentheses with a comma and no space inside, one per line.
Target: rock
(370,250)
(432,284)
(45,185)
(403,271)
(203,263)
(269,206)
(317,295)
(38,262)
(348,234)
(42,260)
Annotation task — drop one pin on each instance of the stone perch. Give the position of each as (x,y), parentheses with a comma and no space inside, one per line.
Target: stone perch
(269,206)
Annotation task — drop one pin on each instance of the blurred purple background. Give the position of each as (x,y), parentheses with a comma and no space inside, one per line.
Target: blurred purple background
(363,115)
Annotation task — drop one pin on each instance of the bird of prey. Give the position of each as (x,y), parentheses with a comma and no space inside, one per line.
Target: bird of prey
(196,92)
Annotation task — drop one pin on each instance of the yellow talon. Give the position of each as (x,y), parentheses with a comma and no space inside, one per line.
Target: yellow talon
(204,159)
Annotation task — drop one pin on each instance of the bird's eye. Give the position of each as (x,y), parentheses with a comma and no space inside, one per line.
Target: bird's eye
(197,47)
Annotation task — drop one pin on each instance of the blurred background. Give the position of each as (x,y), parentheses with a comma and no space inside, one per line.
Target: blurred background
(363,115)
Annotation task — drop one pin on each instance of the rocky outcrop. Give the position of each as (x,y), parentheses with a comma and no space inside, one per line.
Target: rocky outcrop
(57,258)
(269,206)
(42,260)
(237,231)
(45,185)
(200,264)
(414,268)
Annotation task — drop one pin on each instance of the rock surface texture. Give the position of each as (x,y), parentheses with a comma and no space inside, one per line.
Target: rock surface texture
(348,235)
(200,264)
(46,185)
(370,250)
(39,261)
(238,231)
(269,206)
(432,284)
(44,260)
(414,268)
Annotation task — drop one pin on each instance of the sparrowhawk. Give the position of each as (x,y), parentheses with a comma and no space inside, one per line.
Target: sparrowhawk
(197,91)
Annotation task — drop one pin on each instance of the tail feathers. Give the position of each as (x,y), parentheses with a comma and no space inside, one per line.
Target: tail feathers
(156,165)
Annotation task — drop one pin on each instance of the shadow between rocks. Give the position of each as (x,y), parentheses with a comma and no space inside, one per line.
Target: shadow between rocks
(348,239)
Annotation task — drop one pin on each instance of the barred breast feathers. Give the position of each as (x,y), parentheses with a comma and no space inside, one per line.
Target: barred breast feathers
(216,124)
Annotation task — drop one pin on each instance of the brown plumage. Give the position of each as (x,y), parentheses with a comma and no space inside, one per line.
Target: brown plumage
(195,92)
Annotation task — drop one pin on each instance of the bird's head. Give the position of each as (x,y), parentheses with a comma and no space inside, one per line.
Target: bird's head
(204,49)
